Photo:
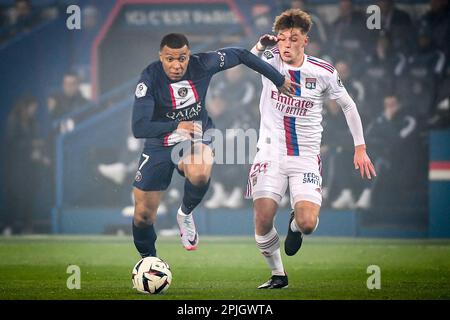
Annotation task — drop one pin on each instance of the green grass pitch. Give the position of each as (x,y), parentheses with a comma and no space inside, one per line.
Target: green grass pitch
(225,268)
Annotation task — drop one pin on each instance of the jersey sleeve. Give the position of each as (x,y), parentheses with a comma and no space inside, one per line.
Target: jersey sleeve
(143,110)
(335,88)
(227,58)
(271,58)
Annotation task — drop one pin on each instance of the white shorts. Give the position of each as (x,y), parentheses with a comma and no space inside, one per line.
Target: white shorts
(270,176)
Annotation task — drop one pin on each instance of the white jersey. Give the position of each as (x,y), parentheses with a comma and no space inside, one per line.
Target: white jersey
(292,126)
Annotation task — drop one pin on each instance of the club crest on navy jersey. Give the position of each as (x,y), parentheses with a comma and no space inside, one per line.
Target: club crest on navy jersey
(182,92)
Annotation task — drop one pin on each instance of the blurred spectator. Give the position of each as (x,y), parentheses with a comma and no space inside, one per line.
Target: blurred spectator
(114,168)
(437,20)
(262,19)
(337,154)
(60,105)
(233,104)
(120,172)
(352,84)
(52,11)
(349,33)
(239,90)
(90,17)
(440,117)
(315,49)
(217,111)
(69,99)
(382,68)
(398,23)
(3,17)
(422,75)
(394,143)
(436,24)
(354,87)
(23,162)
(23,10)
(24,17)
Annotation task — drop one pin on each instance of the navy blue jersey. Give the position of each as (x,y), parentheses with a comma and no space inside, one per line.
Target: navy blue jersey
(160,103)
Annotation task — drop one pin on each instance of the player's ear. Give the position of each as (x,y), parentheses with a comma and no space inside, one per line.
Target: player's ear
(306,41)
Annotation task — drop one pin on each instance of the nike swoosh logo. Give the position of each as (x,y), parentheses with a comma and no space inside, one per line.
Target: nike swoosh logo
(183,102)
(193,241)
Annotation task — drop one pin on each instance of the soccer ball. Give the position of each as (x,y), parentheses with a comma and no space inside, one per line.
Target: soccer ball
(151,275)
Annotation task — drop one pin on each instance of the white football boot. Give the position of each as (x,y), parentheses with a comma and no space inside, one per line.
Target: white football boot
(188,233)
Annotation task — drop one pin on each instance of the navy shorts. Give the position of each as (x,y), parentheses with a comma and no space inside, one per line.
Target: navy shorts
(156,167)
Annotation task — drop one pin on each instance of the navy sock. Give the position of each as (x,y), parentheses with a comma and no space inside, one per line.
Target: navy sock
(193,195)
(144,240)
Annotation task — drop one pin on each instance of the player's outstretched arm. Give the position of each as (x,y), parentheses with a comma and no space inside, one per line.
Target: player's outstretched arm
(227,58)
(337,91)
(361,160)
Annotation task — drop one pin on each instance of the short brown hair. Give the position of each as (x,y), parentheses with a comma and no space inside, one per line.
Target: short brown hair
(293,18)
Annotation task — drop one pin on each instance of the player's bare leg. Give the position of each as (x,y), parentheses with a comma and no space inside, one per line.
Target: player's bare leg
(304,220)
(145,209)
(268,242)
(197,167)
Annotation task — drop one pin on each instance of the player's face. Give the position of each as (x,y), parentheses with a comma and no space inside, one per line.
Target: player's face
(292,43)
(174,61)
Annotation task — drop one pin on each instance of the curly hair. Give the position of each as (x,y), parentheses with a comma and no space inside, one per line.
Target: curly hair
(293,18)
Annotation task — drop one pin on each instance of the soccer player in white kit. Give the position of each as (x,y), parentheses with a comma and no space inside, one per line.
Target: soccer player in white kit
(289,140)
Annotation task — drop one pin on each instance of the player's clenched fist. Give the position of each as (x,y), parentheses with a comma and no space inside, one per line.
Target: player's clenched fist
(190,129)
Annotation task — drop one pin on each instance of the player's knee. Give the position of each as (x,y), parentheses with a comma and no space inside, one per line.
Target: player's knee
(144,216)
(199,178)
(307,224)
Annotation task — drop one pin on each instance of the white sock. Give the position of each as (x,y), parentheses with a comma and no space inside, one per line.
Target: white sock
(275,263)
(269,246)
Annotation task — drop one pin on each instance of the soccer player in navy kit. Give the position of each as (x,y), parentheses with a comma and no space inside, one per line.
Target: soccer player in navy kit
(169,108)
